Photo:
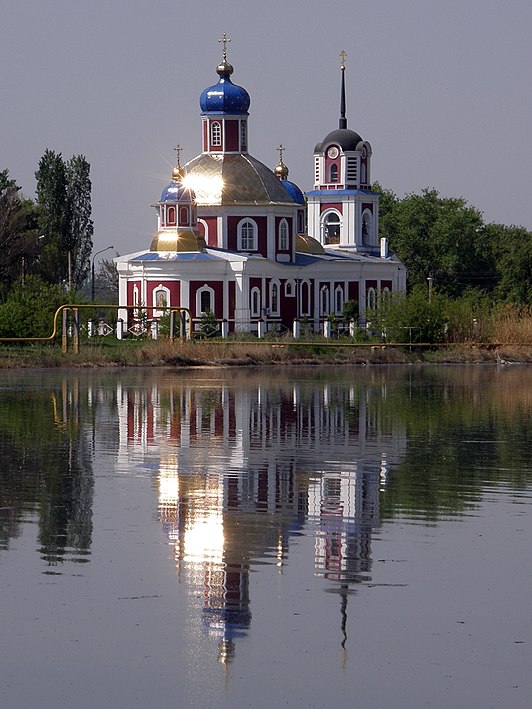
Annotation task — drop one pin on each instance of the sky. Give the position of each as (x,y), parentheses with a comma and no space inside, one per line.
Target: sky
(441,90)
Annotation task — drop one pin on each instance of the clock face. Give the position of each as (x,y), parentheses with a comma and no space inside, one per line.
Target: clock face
(333,152)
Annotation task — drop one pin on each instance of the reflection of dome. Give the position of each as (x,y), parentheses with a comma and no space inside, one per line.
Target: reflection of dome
(346,138)
(307,245)
(224,97)
(178,241)
(238,179)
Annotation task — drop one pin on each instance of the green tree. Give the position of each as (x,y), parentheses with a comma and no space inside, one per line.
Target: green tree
(442,238)
(29,308)
(513,248)
(107,281)
(19,245)
(64,199)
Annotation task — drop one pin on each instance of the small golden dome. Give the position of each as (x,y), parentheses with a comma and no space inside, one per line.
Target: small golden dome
(281,171)
(306,244)
(178,241)
(178,173)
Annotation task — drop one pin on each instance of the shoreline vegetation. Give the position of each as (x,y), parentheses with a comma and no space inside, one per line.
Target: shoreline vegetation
(216,353)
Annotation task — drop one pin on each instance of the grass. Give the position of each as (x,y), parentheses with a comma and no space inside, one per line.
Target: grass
(110,352)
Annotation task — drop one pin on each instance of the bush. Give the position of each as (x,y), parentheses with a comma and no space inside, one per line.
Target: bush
(29,309)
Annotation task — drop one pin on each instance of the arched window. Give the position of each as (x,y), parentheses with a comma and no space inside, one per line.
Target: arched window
(183,215)
(247,235)
(333,172)
(255,303)
(300,221)
(216,134)
(170,216)
(283,235)
(136,301)
(274,297)
(331,226)
(324,301)
(290,288)
(366,227)
(371,299)
(203,229)
(204,300)
(305,298)
(338,300)
(363,173)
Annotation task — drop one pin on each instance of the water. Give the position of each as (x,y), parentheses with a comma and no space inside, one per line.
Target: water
(266,538)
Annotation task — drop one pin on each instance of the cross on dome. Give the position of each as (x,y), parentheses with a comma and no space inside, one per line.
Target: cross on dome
(225,40)
(343,55)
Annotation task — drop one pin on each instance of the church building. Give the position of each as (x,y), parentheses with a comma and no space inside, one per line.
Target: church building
(240,241)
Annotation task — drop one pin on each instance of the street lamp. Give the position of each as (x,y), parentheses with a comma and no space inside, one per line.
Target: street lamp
(92,269)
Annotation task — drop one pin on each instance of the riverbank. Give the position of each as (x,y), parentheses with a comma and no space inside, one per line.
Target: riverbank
(142,353)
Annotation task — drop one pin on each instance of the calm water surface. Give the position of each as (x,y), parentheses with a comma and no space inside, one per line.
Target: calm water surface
(302,538)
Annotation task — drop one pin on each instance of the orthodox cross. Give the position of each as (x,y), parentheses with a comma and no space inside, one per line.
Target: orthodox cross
(281,148)
(178,150)
(343,55)
(225,40)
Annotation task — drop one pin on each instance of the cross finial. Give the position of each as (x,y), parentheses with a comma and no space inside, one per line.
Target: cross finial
(343,55)
(281,149)
(224,39)
(178,150)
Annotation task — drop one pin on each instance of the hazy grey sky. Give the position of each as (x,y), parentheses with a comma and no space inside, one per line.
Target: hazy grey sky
(441,89)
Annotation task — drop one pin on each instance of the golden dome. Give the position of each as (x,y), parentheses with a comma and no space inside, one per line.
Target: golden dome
(306,244)
(281,171)
(178,241)
(178,173)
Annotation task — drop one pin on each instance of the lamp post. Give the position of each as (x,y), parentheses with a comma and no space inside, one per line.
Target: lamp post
(92,269)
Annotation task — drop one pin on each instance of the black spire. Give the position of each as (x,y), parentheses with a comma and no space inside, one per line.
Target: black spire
(342,123)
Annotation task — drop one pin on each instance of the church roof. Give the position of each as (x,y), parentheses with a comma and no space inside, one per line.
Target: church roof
(229,179)
(346,138)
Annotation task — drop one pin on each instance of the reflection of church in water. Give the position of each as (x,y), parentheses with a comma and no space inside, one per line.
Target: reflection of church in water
(243,468)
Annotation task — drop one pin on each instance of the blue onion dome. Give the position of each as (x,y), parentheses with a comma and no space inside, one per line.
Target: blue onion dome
(281,171)
(224,97)
(294,191)
(177,192)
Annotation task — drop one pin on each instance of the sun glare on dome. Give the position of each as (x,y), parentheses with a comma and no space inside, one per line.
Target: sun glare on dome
(208,189)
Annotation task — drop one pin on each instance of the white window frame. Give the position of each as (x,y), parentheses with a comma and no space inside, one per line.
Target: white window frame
(199,292)
(334,166)
(216,134)
(274,285)
(323,219)
(324,301)
(371,298)
(290,288)
(307,311)
(339,302)
(255,302)
(367,218)
(241,225)
(158,312)
(284,236)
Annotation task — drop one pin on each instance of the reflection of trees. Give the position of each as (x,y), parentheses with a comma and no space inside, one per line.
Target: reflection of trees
(48,471)
(465,428)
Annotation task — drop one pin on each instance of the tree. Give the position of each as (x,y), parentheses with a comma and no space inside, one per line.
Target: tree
(442,238)
(29,308)
(107,281)
(513,248)
(18,235)
(64,199)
